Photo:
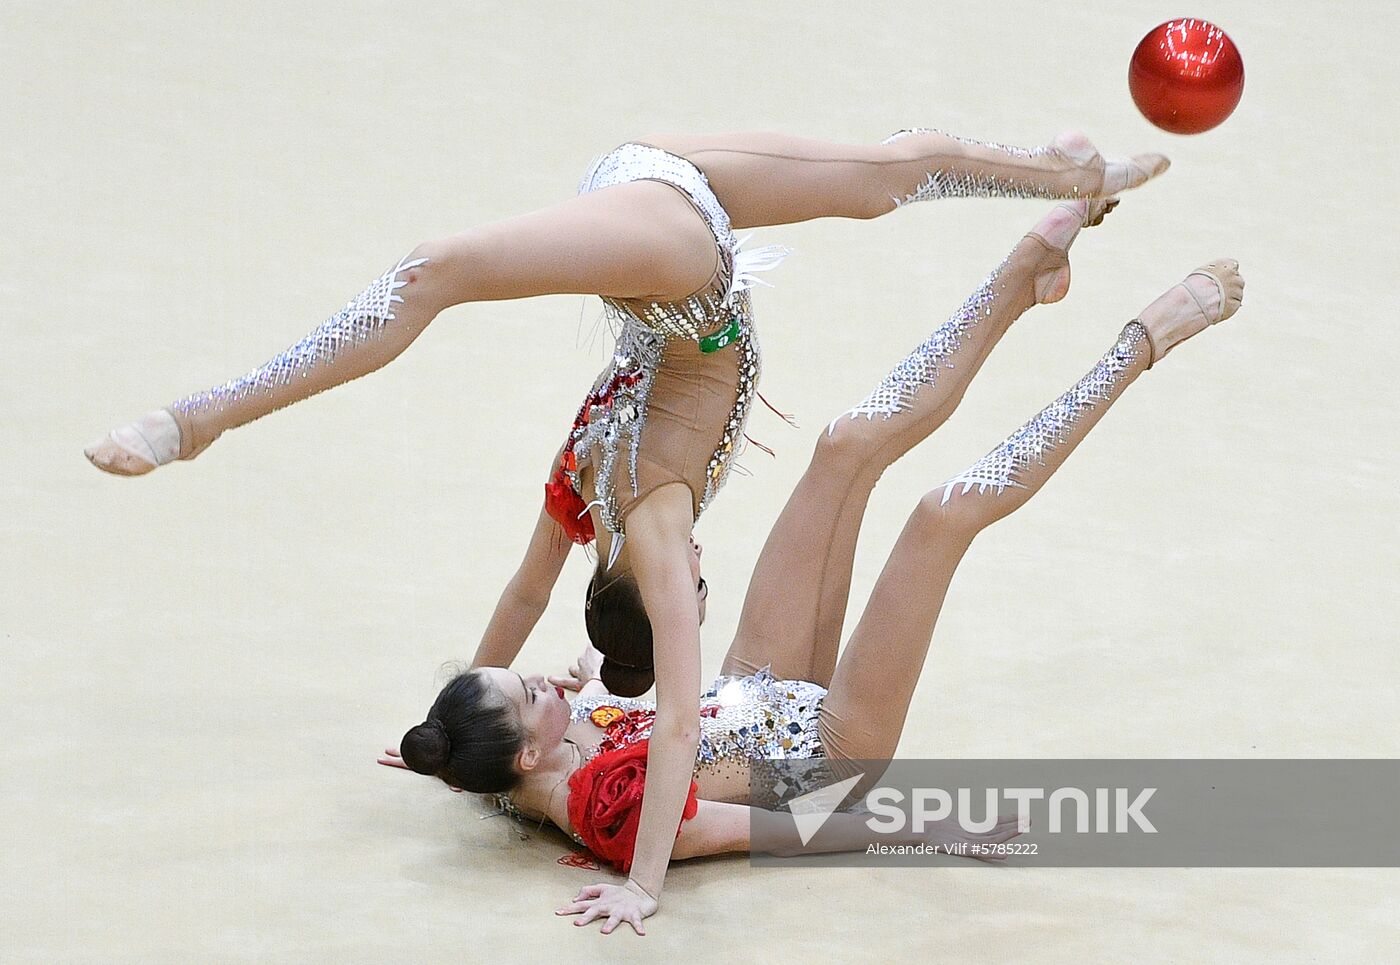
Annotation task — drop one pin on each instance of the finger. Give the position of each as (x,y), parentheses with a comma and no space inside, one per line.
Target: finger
(588,892)
(573,908)
(454,790)
(611,923)
(592,912)
(393,762)
(635,920)
(392,752)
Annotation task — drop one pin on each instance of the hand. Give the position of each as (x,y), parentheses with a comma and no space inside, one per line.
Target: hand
(626,902)
(950,836)
(392,758)
(586,668)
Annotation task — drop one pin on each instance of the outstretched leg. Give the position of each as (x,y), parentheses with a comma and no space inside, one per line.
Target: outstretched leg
(771,179)
(641,239)
(863,714)
(796,602)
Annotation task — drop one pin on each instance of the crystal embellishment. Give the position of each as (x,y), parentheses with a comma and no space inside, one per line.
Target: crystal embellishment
(362,318)
(1053,425)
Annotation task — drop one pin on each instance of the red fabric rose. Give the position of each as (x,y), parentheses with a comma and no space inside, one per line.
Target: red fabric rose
(605,803)
(566,507)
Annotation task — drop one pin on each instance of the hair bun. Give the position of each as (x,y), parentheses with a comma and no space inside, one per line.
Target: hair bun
(426,748)
(624,680)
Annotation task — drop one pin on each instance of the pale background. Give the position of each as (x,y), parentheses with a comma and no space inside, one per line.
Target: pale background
(199,666)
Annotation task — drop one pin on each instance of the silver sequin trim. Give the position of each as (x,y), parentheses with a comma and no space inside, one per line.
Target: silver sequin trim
(954,184)
(750,368)
(1029,444)
(752,717)
(698,315)
(921,366)
(617,426)
(641,338)
(362,318)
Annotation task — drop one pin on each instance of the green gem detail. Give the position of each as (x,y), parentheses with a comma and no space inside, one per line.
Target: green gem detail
(722,338)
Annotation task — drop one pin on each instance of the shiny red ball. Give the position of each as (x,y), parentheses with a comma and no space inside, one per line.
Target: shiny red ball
(1186,76)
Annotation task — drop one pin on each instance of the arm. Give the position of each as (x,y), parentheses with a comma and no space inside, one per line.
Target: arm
(658,530)
(717,828)
(525,596)
(720,828)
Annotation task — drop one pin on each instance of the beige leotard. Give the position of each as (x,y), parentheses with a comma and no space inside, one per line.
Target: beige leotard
(672,403)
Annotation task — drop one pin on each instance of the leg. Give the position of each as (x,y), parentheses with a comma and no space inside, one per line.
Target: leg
(641,239)
(806,562)
(863,715)
(770,179)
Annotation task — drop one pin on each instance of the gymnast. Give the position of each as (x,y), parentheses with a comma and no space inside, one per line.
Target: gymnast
(783,694)
(652,233)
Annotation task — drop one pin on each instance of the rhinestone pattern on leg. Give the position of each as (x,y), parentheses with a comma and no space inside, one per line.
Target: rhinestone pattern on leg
(963,184)
(921,366)
(1029,444)
(362,318)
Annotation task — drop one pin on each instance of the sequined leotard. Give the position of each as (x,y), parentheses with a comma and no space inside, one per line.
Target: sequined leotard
(751,718)
(672,404)
(742,719)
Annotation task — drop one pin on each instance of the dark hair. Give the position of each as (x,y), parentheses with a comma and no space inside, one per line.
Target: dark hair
(619,628)
(470,739)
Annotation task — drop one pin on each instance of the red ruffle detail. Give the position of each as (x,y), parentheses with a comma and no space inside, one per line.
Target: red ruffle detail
(631,727)
(566,507)
(605,803)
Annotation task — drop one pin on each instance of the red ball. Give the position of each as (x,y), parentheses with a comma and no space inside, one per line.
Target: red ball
(1186,76)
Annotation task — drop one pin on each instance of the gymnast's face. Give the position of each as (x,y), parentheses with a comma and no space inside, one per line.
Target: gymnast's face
(702,591)
(541,707)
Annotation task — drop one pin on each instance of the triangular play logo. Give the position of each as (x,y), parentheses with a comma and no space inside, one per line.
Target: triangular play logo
(811,810)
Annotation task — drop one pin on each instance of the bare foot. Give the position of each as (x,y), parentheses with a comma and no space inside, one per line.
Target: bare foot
(1210,294)
(1119,174)
(137,447)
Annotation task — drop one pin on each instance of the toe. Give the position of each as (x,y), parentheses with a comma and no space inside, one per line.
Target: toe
(1152,165)
(1137,170)
(110,457)
(100,452)
(101,456)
